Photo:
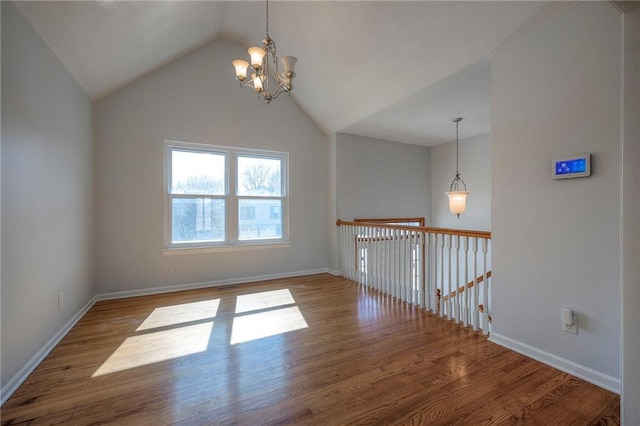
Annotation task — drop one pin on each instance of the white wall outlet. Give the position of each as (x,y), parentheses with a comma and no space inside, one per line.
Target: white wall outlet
(569,321)
(285,260)
(168,271)
(60,299)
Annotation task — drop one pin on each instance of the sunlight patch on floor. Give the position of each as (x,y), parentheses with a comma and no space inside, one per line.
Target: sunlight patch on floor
(264,324)
(150,348)
(180,314)
(263,300)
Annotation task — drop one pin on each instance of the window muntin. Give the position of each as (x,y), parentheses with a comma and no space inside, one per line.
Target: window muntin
(225,196)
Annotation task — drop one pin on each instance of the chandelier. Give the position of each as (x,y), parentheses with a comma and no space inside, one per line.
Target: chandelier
(264,69)
(457,197)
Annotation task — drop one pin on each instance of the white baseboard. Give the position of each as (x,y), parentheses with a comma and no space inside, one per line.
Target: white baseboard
(12,385)
(334,272)
(205,284)
(590,375)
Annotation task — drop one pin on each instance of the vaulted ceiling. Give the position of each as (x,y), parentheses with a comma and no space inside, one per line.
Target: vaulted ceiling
(397,70)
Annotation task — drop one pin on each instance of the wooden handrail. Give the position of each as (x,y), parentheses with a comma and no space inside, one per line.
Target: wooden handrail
(469,285)
(425,229)
(461,289)
(392,220)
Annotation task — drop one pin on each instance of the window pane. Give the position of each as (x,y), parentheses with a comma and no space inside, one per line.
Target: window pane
(197,219)
(256,221)
(197,173)
(259,177)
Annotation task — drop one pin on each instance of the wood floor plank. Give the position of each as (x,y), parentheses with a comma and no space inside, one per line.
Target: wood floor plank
(307,351)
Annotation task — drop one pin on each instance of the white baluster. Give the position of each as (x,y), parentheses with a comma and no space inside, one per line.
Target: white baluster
(406,260)
(408,267)
(456,301)
(416,269)
(398,260)
(433,272)
(441,286)
(467,290)
(362,255)
(475,312)
(340,248)
(352,257)
(401,283)
(378,283)
(385,245)
(412,290)
(356,257)
(394,261)
(449,303)
(366,255)
(485,282)
(424,271)
(348,252)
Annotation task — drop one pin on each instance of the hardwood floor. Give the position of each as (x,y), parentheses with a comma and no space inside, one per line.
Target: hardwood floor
(310,351)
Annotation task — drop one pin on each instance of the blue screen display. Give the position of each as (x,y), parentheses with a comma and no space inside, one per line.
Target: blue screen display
(571,166)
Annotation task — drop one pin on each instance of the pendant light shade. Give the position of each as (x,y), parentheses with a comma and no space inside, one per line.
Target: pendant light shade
(457,194)
(457,201)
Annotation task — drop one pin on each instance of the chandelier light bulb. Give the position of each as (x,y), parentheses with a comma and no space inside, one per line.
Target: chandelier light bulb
(257,82)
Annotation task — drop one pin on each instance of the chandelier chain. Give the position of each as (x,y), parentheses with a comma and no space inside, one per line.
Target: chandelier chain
(267,29)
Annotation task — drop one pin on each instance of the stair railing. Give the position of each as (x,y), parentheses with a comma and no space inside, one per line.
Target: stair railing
(440,270)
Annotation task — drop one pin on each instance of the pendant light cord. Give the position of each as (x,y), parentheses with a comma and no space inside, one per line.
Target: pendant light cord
(457,172)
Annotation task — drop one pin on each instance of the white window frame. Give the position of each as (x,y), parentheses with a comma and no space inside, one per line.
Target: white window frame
(232,241)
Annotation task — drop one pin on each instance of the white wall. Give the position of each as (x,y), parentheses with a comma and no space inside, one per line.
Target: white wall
(475,169)
(381,179)
(195,99)
(630,231)
(46,194)
(556,91)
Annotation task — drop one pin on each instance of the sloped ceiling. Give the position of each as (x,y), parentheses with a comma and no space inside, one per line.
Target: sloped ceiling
(396,70)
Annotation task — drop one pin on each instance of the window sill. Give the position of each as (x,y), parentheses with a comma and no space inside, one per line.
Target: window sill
(176,251)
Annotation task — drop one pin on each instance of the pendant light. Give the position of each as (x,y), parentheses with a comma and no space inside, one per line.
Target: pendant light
(457,195)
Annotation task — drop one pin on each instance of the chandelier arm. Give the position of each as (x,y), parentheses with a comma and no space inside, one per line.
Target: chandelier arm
(277,93)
